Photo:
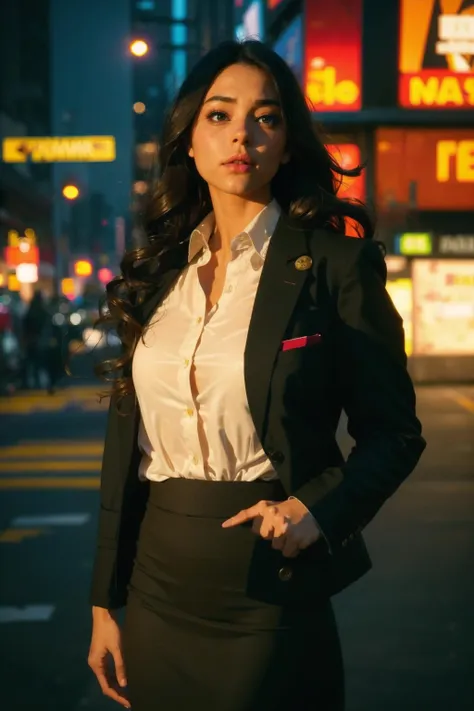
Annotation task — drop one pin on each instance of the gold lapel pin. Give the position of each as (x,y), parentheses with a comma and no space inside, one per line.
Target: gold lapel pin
(303,263)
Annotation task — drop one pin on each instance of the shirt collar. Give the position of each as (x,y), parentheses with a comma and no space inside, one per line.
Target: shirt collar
(258,232)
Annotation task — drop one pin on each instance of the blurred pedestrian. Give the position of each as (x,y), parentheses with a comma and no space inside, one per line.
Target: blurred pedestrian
(228,515)
(34,327)
(55,343)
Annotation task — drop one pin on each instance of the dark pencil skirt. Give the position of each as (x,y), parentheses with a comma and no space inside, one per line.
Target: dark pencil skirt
(219,621)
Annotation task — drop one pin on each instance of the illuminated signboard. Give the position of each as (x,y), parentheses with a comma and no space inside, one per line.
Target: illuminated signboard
(443,292)
(332,77)
(456,244)
(426,169)
(88,149)
(436,59)
(412,244)
(401,293)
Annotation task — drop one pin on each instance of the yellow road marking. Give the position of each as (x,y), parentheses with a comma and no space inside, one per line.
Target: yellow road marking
(51,483)
(17,535)
(18,451)
(465,402)
(70,466)
(24,403)
(51,442)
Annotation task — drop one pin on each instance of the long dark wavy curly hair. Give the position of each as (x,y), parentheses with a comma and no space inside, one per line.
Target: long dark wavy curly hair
(306,189)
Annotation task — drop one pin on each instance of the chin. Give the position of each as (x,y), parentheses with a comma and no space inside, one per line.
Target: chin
(243,187)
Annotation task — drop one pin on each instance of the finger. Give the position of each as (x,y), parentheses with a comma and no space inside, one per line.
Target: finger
(257,525)
(119,667)
(241,517)
(269,524)
(280,528)
(245,515)
(107,690)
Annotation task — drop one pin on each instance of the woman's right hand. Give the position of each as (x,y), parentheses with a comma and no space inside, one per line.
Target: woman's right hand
(105,648)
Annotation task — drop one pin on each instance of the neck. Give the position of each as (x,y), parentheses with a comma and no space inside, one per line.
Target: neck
(233,213)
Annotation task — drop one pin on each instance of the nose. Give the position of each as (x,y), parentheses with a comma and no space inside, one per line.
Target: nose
(241,135)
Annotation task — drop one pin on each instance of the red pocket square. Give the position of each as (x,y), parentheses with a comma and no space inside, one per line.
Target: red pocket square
(301,342)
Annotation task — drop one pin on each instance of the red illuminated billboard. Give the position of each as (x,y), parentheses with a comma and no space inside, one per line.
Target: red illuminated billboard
(333,76)
(436,61)
(430,169)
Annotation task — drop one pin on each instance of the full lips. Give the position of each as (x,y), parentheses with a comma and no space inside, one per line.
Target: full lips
(239,167)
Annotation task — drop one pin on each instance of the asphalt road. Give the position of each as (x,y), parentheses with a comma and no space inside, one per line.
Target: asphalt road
(407,627)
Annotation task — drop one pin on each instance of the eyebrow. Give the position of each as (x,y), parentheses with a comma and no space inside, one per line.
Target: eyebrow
(231,100)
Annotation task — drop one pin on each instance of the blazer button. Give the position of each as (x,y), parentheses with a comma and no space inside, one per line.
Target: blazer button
(285,574)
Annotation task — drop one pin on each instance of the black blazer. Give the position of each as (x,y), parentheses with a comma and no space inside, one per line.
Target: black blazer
(295,399)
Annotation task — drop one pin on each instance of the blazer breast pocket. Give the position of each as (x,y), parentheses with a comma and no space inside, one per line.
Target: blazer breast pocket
(309,341)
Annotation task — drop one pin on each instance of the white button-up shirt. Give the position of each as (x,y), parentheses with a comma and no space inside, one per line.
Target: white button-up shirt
(189,371)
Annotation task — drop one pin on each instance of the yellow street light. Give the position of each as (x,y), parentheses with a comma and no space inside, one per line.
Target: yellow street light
(139,48)
(71,192)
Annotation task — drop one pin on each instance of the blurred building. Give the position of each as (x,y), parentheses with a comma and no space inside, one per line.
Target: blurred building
(91,97)
(392,84)
(25,188)
(176,33)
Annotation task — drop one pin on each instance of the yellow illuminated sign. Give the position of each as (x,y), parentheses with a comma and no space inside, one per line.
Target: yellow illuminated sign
(401,293)
(415,243)
(89,149)
(441,91)
(17,240)
(463,154)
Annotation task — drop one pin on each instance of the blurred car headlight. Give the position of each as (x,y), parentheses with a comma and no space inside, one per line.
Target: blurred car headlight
(94,338)
(75,319)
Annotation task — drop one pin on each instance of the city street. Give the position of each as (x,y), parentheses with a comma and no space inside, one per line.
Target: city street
(407,627)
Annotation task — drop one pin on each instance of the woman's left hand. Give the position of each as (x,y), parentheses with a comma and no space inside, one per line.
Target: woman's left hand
(288,524)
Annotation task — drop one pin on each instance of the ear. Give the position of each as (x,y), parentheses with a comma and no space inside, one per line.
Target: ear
(191,152)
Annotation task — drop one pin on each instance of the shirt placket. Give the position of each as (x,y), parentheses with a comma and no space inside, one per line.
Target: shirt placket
(186,358)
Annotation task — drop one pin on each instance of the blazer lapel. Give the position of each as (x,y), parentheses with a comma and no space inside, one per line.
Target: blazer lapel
(278,291)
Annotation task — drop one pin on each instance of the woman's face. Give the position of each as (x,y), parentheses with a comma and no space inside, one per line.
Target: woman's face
(239,137)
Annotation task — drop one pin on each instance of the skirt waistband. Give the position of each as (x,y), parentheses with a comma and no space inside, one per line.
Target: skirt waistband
(193,497)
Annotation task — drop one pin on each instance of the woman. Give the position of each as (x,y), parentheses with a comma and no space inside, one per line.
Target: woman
(228,515)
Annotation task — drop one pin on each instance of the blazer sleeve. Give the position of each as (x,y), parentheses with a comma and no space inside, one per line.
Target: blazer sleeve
(377,396)
(122,505)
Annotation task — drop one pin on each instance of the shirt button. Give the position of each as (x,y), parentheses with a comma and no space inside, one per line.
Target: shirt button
(230,289)
(190,412)
(195,460)
(186,362)
(199,320)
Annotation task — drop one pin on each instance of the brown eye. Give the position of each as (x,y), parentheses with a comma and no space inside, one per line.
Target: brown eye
(217,116)
(271,120)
